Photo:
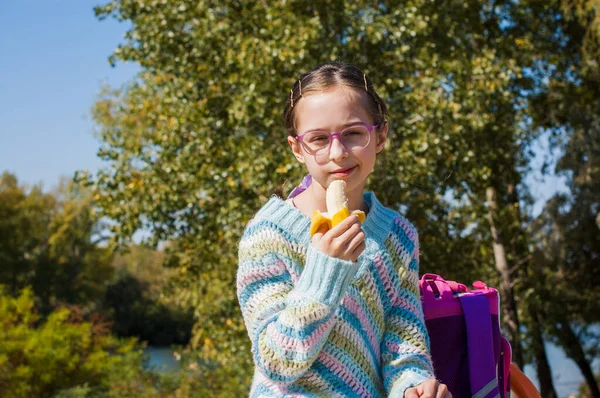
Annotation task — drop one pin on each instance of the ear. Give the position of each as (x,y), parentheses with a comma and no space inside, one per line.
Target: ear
(296,148)
(381,138)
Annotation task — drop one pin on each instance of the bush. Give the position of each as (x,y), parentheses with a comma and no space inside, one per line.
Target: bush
(39,358)
(63,356)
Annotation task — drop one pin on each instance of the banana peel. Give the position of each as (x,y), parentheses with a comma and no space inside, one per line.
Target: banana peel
(319,219)
(337,208)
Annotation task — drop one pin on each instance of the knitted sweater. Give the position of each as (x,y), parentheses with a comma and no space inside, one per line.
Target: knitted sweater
(321,326)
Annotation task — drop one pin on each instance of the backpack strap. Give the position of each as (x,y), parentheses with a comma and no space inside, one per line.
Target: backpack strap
(504,366)
(482,368)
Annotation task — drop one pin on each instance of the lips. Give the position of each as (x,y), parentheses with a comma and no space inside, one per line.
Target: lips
(345,171)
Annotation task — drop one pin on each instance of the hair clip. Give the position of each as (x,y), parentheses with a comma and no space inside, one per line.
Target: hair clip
(300,86)
(365,79)
(292,97)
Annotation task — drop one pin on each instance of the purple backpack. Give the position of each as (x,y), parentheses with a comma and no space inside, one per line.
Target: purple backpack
(469,354)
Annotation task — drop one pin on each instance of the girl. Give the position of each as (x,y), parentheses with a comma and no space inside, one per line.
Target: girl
(338,313)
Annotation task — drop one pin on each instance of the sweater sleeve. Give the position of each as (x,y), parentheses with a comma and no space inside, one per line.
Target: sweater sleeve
(288,321)
(406,359)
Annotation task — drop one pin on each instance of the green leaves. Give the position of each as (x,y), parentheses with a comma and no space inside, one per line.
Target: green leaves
(195,144)
(41,358)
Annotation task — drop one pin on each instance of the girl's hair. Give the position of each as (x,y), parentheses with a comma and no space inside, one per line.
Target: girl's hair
(329,75)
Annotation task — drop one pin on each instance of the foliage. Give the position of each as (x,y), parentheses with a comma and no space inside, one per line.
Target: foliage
(39,358)
(50,241)
(136,313)
(195,145)
(563,278)
(140,301)
(66,356)
(23,217)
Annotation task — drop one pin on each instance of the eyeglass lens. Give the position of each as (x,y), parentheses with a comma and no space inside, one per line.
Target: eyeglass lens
(354,137)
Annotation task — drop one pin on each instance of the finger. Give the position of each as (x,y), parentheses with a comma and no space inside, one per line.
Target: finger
(347,237)
(342,227)
(442,391)
(356,254)
(429,388)
(411,393)
(358,251)
(356,240)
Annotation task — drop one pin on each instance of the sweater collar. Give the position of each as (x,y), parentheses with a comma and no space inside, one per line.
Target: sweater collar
(377,224)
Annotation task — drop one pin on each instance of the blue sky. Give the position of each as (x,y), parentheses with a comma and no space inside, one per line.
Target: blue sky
(54,61)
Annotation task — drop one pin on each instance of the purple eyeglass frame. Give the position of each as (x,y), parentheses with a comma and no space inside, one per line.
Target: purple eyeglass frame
(336,134)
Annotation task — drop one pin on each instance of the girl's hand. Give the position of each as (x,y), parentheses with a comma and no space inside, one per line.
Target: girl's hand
(430,388)
(345,241)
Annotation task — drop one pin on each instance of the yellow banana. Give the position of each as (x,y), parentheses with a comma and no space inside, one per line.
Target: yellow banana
(337,208)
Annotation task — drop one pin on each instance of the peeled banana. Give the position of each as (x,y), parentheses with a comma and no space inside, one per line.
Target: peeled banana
(337,208)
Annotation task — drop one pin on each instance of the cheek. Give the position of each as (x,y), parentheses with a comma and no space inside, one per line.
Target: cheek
(368,159)
(367,155)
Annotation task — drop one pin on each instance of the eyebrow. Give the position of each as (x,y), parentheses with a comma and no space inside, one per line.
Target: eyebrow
(344,126)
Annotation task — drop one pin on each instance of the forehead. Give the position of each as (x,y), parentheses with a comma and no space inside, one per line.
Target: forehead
(332,109)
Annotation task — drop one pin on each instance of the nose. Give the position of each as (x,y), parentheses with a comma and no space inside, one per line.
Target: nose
(337,151)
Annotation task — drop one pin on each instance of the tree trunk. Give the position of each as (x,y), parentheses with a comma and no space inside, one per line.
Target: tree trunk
(572,346)
(509,306)
(541,360)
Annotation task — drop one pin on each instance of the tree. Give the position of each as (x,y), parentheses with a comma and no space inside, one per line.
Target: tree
(23,217)
(139,300)
(65,355)
(195,143)
(50,241)
(566,275)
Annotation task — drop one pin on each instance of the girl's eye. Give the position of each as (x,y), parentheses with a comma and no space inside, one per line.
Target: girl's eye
(318,138)
(354,133)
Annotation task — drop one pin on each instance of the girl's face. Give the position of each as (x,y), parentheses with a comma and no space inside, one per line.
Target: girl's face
(332,111)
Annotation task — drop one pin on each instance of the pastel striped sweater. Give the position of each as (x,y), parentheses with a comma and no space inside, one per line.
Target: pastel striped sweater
(321,326)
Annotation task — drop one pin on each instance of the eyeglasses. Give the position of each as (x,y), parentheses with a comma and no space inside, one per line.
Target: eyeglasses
(354,137)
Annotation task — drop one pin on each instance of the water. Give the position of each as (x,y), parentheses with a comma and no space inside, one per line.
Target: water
(161,358)
(565,373)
